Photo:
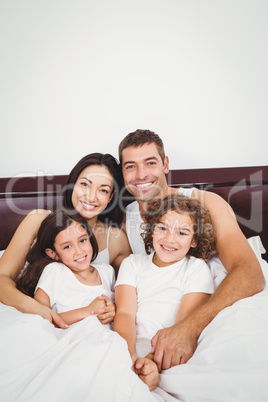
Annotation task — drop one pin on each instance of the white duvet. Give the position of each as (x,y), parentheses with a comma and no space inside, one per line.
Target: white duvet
(89,362)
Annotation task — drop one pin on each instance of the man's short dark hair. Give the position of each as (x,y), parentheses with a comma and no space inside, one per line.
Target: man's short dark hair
(139,138)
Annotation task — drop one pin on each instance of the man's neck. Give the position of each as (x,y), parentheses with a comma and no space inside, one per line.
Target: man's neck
(143,205)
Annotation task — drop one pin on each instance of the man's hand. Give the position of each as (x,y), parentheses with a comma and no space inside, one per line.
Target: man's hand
(147,370)
(174,345)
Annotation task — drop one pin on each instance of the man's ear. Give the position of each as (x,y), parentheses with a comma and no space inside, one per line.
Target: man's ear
(52,254)
(166,165)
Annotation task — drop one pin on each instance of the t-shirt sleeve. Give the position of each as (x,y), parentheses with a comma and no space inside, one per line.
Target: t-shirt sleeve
(49,281)
(198,278)
(127,272)
(107,274)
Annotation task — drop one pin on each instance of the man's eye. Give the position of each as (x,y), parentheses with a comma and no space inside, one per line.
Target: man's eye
(151,163)
(128,167)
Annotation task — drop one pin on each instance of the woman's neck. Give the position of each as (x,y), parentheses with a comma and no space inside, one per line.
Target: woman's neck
(92,221)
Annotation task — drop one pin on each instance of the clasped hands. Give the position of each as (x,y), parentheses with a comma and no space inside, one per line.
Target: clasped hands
(173,346)
(103,308)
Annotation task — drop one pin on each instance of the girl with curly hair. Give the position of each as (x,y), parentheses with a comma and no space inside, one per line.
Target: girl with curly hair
(160,289)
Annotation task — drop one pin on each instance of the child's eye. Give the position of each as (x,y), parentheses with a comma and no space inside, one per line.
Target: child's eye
(66,247)
(83,240)
(163,228)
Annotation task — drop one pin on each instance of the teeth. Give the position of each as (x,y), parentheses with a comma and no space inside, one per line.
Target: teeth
(80,259)
(88,206)
(169,249)
(143,185)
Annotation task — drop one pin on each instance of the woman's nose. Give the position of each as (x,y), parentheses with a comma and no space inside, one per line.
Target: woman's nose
(92,194)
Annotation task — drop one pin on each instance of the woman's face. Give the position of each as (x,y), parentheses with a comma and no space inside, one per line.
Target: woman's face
(92,191)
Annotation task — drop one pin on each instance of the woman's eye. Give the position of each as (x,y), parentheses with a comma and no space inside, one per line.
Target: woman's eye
(163,228)
(84,184)
(104,191)
(182,233)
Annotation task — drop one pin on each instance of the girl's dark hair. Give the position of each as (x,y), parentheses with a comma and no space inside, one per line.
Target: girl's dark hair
(203,229)
(113,214)
(37,258)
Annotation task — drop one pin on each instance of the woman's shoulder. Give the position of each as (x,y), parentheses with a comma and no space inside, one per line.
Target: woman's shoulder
(38,213)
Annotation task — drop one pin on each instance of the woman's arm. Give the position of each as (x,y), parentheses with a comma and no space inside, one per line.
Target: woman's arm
(119,247)
(125,316)
(13,260)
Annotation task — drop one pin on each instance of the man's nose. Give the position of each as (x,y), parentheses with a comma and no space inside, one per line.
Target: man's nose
(141,173)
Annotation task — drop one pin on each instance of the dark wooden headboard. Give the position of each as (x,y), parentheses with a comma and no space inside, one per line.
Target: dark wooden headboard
(245,188)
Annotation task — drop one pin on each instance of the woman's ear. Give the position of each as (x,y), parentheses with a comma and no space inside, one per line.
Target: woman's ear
(111,196)
(52,254)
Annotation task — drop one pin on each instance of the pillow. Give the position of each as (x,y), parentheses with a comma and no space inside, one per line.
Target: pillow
(219,272)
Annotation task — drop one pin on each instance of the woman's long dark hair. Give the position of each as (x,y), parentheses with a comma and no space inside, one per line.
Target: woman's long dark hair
(37,258)
(113,214)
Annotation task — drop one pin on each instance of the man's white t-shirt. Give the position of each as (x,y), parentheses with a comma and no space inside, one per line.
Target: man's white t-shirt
(66,292)
(160,290)
(134,221)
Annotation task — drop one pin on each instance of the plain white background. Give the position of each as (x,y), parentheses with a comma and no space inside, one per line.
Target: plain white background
(77,76)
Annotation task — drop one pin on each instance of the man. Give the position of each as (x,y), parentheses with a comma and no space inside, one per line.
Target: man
(144,166)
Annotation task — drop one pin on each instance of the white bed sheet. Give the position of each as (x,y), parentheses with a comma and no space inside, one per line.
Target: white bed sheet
(88,362)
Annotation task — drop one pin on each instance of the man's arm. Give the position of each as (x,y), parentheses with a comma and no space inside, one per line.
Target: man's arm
(245,278)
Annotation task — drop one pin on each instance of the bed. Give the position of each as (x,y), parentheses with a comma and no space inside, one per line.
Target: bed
(88,362)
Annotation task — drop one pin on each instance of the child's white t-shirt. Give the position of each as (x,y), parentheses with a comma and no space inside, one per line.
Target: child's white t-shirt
(160,290)
(66,292)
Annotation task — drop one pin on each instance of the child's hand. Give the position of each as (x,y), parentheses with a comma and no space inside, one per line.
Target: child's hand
(147,371)
(106,311)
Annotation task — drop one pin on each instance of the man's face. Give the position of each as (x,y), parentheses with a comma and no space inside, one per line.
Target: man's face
(144,172)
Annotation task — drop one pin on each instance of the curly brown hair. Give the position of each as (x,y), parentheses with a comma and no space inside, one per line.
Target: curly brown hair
(203,229)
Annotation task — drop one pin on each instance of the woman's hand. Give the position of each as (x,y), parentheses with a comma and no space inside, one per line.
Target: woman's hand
(103,308)
(51,316)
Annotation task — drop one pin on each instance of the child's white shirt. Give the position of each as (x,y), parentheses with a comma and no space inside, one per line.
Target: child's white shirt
(66,292)
(160,290)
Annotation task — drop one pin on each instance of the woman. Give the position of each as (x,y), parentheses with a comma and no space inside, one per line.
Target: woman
(92,189)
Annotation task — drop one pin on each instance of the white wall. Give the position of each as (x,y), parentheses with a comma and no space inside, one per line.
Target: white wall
(77,75)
